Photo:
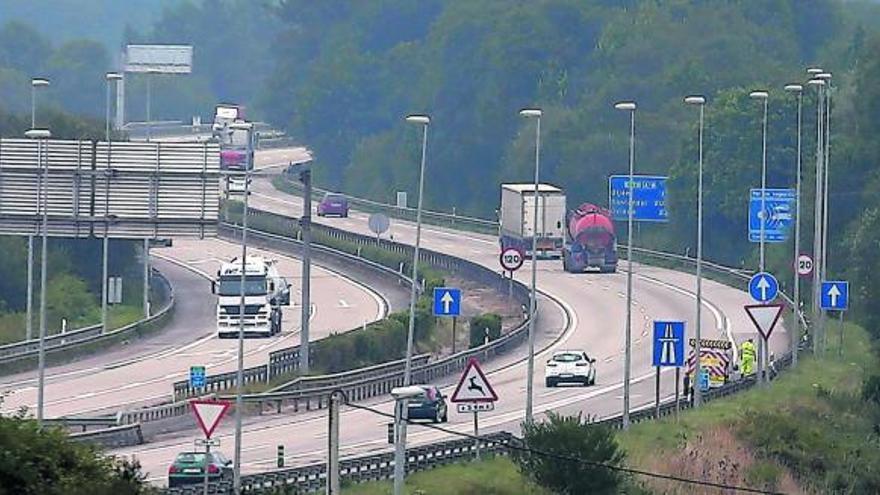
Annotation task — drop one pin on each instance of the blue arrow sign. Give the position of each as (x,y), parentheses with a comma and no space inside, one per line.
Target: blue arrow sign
(777,214)
(649,198)
(835,295)
(763,287)
(669,343)
(447,301)
(196,376)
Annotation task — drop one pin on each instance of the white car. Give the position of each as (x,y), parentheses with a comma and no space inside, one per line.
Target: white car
(570,366)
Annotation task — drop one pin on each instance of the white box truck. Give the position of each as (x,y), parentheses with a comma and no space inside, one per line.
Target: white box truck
(517,217)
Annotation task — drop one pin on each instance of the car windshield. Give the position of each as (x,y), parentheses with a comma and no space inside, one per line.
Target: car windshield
(568,357)
(231,286)
(191,458)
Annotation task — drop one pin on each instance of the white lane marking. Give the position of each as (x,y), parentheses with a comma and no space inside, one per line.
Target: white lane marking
(343,304)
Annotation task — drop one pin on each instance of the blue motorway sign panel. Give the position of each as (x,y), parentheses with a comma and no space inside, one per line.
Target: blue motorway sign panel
(649,198)
(669,343)
(196,376)
(763,287)
(835,295)
(447,301)
(777,214)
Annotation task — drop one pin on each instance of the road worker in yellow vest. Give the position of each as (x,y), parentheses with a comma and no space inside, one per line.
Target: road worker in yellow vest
(748,355)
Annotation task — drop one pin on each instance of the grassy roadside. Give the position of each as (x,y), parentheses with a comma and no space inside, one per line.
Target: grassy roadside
(12,325)
(809,432)
(496,476)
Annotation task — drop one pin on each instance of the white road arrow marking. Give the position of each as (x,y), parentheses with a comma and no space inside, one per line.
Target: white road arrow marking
(447,301)
(834,293)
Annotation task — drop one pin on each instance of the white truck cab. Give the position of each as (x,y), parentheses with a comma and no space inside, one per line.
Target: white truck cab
(265,291)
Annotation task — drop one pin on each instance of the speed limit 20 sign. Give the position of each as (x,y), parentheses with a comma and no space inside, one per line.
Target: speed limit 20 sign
(804,265)
(511,259)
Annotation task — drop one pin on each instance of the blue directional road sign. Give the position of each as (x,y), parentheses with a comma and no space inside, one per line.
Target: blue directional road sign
(835,295)
(196,376)
(447,301)
(778,214)
(669,343)
(649,198)
(763,287)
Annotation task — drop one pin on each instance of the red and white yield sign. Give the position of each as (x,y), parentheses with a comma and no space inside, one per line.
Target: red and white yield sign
(208,414)
(473,385)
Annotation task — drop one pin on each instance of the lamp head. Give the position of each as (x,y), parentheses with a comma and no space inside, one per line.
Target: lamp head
(418,119)
(629,106)
(38,134)
(759,95)
(695,100)
(530,112)
(794,88)
(241,126)
(39,82)
(410,392)
(814,70)
(113,76)
(816,82)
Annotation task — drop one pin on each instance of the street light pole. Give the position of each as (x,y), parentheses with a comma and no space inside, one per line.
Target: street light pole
(239,374)
(530,373)
(629,106)
(105,245)
(698,365)
(817,219)
(29,326)
(42,135)
(424,121)
(797,90)
(825,76)
(762,96)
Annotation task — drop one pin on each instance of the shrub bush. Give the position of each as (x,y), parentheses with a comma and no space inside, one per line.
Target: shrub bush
(481,325)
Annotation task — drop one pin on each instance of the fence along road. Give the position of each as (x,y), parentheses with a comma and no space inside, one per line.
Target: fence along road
(337,301)
(591,317)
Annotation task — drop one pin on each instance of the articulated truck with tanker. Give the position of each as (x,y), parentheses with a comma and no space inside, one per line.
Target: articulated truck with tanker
(517,218)
(590,241)
(266,291)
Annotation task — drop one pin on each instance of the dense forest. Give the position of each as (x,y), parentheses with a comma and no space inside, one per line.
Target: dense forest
(339,75)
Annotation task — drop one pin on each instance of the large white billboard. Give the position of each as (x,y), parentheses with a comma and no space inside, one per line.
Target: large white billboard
(159,59)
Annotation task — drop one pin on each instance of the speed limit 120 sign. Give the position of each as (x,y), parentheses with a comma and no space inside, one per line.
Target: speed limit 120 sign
(511,259)
(804,265)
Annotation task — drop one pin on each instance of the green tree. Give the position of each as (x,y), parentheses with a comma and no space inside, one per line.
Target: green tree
(571,456)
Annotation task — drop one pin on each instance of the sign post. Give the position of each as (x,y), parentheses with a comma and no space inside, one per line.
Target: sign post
(668,353)
(208,414)
(474,394)
(447,302)
(835,297)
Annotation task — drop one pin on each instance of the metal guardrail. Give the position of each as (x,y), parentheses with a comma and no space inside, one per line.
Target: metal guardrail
(115,437)
(83,422)
(311,478)
(59,343)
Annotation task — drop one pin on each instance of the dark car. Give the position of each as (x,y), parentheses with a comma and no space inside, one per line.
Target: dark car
(432,406)
(333,204)
(188,468)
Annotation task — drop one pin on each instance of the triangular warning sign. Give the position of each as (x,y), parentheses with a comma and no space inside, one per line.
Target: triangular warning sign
(473,385)
(764,316)
(208,414)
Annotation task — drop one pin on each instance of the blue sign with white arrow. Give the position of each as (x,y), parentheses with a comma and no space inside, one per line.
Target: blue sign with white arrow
(777,214)
(763,287)
(447,301)
(669,343)
(649,198)
(835,295)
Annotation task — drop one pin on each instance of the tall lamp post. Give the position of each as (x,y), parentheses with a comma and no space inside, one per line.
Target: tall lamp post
(42,135)
(698,393)
(819,84)
(533,113)
(239,375)
(826,143)
(628,106)
(797,90)
(110,77)
(29,332)
(762,96)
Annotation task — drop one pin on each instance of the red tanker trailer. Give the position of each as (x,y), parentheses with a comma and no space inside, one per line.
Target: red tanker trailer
(590,240)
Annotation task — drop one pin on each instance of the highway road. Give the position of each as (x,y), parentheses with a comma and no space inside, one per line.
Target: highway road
(578,311)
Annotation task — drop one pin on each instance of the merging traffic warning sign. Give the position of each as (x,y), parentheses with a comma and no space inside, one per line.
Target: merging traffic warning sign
(208,414)
(473,385)
(765,317)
